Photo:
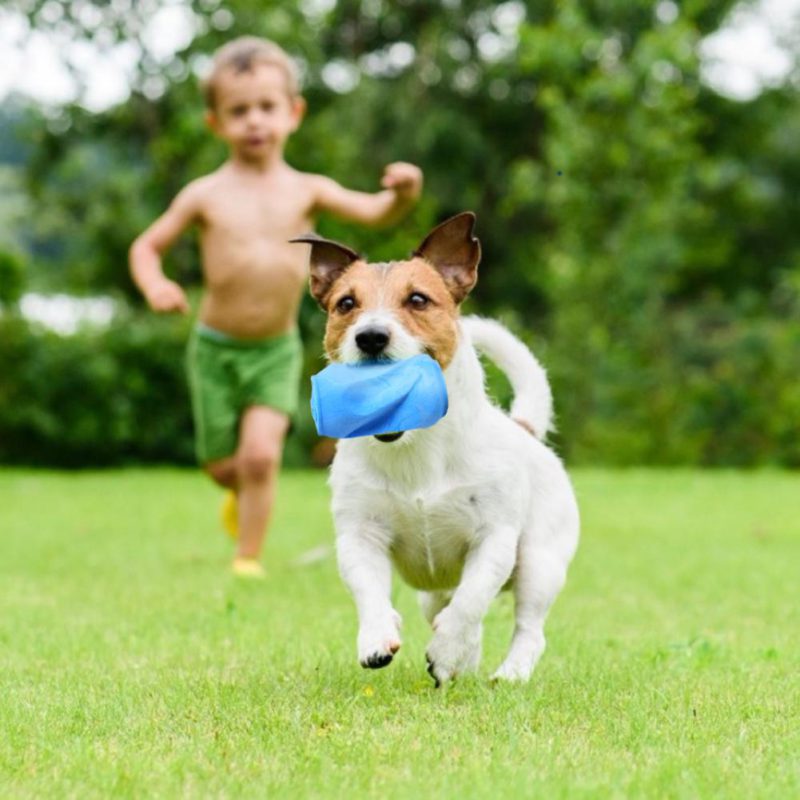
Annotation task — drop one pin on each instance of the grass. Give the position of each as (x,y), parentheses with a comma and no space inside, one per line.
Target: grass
(133,665)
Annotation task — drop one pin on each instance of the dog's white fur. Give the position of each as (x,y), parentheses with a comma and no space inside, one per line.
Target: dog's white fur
(461,509)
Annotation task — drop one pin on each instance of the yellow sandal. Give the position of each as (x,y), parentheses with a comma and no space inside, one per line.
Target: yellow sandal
(229,514)
(247,568)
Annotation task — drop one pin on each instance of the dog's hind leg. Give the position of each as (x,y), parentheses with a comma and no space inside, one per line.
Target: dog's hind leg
(432,603)
(538,579)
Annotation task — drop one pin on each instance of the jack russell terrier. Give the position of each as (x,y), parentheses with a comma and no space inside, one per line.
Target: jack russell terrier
(474,504)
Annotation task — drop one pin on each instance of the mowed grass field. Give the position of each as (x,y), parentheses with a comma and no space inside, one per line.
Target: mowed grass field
(133,665)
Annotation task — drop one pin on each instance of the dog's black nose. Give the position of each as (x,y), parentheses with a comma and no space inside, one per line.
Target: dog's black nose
(372,341)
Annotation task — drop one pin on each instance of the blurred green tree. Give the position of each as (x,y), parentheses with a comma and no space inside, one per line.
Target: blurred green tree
(638,228)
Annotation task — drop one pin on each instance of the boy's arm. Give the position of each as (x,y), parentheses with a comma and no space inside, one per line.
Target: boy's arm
(402,184)
(161,293)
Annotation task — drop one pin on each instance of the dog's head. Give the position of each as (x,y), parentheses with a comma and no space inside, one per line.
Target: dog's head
(395,309)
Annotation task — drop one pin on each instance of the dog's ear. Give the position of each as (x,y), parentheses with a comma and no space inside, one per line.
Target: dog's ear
(329,260)
(455,252)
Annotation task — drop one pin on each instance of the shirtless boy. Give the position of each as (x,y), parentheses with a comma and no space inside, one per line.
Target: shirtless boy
(244,356)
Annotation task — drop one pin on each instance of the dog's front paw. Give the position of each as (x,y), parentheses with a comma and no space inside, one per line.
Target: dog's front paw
(378,641)
(455,648)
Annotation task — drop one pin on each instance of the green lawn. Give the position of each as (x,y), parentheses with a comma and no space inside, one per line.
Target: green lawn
(133,665)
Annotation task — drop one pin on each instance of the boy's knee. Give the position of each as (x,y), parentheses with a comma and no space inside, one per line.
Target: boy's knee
(258,465)
(223,472)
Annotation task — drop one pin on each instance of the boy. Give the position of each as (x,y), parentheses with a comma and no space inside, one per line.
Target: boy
(244,356)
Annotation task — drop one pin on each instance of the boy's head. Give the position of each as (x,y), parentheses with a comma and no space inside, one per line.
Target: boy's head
(244,55)
(252,96)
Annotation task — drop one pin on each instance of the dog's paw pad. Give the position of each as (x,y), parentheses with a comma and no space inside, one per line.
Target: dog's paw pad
(378,660)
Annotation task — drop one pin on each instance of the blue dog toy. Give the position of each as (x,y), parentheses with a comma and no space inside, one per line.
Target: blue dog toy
(378,397)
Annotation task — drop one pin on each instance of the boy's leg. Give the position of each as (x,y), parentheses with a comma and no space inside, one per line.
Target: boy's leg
(223,472)
(258,458)
(213,409)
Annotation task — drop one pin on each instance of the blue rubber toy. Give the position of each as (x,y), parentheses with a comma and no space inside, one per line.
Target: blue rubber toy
(378,397)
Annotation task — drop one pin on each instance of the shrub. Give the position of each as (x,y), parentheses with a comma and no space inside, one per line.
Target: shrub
(98,397)
(707,388)
(12,276)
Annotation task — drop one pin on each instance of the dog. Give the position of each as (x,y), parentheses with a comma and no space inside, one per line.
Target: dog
(475,503)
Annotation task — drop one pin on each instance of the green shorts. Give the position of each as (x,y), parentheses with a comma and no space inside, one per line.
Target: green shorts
(228,375)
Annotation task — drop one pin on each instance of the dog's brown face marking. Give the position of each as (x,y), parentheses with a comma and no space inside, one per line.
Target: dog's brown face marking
(412,291)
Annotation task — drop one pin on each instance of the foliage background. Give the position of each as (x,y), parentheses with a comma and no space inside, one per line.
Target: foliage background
(639,230)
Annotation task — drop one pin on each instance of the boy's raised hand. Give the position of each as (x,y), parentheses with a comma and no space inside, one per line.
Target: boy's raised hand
(404,179)
(167,296)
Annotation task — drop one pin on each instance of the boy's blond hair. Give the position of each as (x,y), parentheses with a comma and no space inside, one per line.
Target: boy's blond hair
(242,55)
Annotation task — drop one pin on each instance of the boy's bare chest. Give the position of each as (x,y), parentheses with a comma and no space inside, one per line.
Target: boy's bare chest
(250,213)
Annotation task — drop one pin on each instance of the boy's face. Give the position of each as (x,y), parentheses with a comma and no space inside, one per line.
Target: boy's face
(254,112)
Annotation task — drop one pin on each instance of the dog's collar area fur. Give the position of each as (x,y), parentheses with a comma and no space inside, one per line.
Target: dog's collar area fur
(389,437)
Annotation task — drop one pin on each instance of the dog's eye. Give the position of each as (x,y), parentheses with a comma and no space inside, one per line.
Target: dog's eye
(347,303)
(417,300)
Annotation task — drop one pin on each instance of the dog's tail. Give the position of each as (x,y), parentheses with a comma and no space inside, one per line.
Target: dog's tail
(532,406)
